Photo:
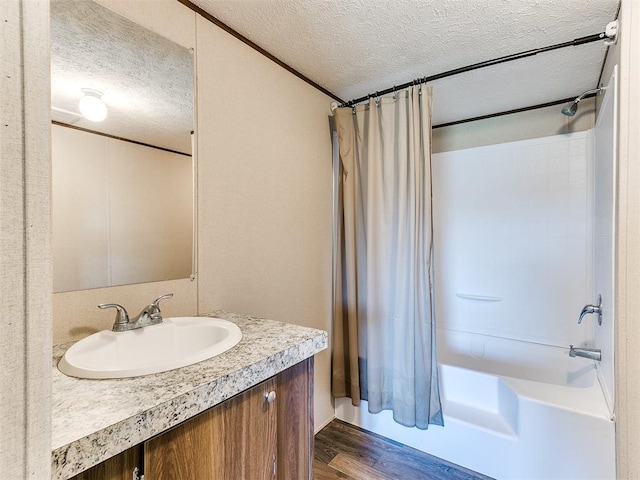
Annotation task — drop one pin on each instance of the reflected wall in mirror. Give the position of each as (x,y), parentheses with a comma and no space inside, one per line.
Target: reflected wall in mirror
(123,188)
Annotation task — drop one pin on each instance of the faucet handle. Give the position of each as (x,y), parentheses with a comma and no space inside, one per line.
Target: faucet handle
(592,309)
(153,309)
(156,302)
(122,317)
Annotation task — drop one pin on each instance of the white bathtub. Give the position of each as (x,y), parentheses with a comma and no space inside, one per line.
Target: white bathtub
(513,410)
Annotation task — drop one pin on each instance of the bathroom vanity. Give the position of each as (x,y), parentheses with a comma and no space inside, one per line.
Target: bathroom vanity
(247,413)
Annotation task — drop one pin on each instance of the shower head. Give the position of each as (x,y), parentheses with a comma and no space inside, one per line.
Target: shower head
(570,109)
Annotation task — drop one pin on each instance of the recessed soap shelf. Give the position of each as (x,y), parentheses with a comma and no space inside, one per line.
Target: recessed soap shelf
(482,298)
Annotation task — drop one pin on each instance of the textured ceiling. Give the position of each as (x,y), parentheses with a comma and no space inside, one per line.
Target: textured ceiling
(356,47)
(350,47)
(146,80)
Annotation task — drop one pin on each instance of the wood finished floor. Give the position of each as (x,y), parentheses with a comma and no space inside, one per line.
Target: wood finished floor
(344,451)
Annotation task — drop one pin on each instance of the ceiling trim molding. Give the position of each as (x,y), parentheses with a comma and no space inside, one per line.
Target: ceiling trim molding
(115,137)
(257,48)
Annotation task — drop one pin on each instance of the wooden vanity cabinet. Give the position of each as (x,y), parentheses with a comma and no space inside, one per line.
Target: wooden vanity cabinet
(295,422)
(247,437)
(251,436)
(120,467)
(234,440)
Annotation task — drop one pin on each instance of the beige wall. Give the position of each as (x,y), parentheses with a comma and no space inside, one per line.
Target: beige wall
(76,314)
(122,213)
(25,272)
(537,123)
(628,242)
(265,192)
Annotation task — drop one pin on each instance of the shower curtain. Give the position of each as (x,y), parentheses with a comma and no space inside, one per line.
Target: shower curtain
(384,328)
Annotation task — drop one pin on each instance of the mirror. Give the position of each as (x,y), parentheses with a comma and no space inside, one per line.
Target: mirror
(123,187)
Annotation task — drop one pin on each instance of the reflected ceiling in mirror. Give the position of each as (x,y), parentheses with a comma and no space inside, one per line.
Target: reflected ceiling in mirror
(146,81)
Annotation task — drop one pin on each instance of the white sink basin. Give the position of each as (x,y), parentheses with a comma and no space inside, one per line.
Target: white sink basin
(176,342)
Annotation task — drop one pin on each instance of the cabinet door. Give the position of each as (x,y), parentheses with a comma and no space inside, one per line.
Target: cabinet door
(295,422)
(119,467)
(233,441)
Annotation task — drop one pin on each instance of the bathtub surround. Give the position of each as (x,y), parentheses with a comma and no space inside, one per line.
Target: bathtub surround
(510,416)
(384,313)
(513,228)
(604,236)
(513,225)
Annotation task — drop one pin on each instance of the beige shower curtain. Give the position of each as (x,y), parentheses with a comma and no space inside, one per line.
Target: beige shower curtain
(384,326)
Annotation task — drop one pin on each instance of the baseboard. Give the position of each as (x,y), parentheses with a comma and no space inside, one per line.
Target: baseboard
(324,424)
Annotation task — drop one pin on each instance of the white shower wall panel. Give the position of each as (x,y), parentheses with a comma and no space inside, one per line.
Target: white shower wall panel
(512,226)
(604,235)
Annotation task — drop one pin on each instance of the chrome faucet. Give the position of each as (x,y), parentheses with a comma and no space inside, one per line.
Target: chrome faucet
(591,353)
(592,309)
(150,315)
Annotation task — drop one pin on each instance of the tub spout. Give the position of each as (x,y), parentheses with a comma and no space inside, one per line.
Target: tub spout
(591,353)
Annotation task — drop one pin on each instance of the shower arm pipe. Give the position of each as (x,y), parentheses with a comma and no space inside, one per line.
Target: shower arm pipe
(487,63)
(589,93)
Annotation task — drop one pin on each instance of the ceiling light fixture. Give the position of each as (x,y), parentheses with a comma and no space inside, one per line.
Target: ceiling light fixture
(91,105)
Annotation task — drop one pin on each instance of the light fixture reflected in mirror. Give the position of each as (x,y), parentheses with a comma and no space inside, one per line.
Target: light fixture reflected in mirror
(91,105)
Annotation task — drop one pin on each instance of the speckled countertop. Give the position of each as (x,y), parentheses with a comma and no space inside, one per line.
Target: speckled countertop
(96,419)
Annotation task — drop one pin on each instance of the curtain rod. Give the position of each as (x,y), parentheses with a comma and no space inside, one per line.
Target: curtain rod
(508,58)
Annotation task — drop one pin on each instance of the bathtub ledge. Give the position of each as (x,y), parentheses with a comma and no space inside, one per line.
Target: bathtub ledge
(587,400)
(484,419)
